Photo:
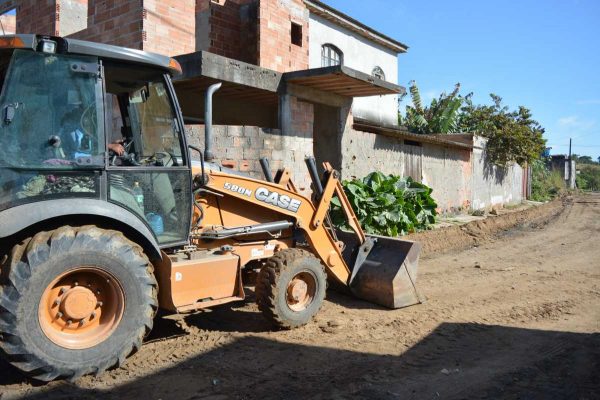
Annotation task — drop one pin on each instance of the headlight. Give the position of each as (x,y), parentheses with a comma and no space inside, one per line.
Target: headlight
(47,46)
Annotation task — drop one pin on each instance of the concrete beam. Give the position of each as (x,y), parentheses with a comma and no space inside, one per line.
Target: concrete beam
(317,96)
(203,63)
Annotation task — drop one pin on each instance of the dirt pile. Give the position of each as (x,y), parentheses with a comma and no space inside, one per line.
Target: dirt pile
(475,233)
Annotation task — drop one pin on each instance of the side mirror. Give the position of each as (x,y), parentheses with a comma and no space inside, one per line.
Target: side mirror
(199,181)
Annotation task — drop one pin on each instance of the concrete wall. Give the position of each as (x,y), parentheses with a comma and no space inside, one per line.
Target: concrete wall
(493,186)
(362,55)
(461,180)
(447,170)
(73,16)
(241,147)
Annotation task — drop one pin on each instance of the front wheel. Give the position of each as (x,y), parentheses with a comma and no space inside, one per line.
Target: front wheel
(290,288)
(75,301)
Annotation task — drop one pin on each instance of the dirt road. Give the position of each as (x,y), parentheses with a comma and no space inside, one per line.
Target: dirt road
(516,317)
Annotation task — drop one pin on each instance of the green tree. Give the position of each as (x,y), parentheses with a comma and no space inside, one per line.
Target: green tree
(513,136)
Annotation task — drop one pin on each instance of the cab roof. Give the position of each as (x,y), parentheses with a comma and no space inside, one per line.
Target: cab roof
(82,47)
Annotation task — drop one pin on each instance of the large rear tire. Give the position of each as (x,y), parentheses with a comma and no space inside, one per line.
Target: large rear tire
(75,301)
(290,288)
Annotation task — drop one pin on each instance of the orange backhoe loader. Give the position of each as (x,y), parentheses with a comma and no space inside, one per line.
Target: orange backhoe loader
(105,217)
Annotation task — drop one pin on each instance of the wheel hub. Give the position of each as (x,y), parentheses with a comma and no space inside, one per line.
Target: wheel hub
(81,308)
(298,289)
(78,303)
(301,291)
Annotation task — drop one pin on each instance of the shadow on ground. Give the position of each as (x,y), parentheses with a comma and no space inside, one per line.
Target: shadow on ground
(456,361)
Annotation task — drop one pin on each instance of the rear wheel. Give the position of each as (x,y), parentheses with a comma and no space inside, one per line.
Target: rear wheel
(75,301)
(290,288)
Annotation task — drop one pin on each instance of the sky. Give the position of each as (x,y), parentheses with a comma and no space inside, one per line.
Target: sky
(544,55)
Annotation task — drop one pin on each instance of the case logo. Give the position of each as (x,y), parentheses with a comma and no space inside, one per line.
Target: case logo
(278,200)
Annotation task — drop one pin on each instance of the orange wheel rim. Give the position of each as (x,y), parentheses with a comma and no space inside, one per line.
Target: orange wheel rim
(81,308)
(301,291)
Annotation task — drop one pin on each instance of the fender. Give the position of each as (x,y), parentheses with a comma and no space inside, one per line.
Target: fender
(20,217)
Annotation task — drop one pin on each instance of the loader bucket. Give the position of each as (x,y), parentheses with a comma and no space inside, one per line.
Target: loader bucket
(387,275)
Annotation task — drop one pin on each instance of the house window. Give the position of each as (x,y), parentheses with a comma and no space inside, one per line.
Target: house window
(297,34)
(378,73)
(331,55)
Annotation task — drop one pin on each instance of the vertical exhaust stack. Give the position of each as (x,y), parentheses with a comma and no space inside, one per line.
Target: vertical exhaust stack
(208,154)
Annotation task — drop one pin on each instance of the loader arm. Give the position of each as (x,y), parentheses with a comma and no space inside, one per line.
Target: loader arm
(307,216)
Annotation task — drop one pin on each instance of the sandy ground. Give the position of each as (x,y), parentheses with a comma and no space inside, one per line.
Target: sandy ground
(514,315)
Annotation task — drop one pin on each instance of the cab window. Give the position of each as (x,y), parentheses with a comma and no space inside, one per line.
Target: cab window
(50,112)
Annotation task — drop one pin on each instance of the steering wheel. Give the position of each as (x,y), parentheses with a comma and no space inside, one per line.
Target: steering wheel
(126,158)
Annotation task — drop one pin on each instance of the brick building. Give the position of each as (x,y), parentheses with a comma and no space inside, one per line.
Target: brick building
(299,78)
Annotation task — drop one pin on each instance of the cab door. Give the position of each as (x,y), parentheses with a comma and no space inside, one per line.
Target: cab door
(148,170)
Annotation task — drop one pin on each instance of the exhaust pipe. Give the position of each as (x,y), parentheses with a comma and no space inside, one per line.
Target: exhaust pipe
(208,155)
(264,164)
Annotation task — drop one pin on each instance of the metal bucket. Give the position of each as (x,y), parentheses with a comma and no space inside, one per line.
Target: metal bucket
(384,270)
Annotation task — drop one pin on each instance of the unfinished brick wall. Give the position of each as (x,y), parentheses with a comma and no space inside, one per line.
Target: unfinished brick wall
(228,28)
(114,22)
(34,16)
(161,26)
(169,26)
(275,47)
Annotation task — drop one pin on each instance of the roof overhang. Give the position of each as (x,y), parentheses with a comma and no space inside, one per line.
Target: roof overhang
(463,141)
(248,95)
(343,81)
(331,14)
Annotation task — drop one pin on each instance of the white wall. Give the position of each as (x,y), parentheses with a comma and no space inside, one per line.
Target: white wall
(494,186)
(362,55)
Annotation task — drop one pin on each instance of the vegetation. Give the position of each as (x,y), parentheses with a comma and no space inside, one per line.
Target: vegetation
(441,116)
(545,184)
(589,176)
(387,205)
(513,136)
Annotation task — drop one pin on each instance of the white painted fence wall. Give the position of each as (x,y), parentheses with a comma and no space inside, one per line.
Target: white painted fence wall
(494,186)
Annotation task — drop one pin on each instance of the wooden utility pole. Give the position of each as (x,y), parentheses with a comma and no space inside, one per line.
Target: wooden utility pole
(570,165)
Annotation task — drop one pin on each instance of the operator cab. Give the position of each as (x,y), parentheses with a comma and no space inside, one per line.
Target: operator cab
(86,120)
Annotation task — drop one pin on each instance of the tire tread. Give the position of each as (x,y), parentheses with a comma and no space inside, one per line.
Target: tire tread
(266,284)
(32,251)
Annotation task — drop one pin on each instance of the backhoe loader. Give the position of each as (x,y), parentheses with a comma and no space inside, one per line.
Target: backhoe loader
(105,217)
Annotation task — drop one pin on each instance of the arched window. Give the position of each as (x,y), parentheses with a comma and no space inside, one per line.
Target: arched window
(378,73)
(331,55)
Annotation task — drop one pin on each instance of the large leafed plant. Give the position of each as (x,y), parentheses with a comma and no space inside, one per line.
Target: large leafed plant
(387,205)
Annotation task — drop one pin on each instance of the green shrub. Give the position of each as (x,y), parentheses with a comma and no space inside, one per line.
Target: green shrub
(588,177)
(387,205)
(545,184)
